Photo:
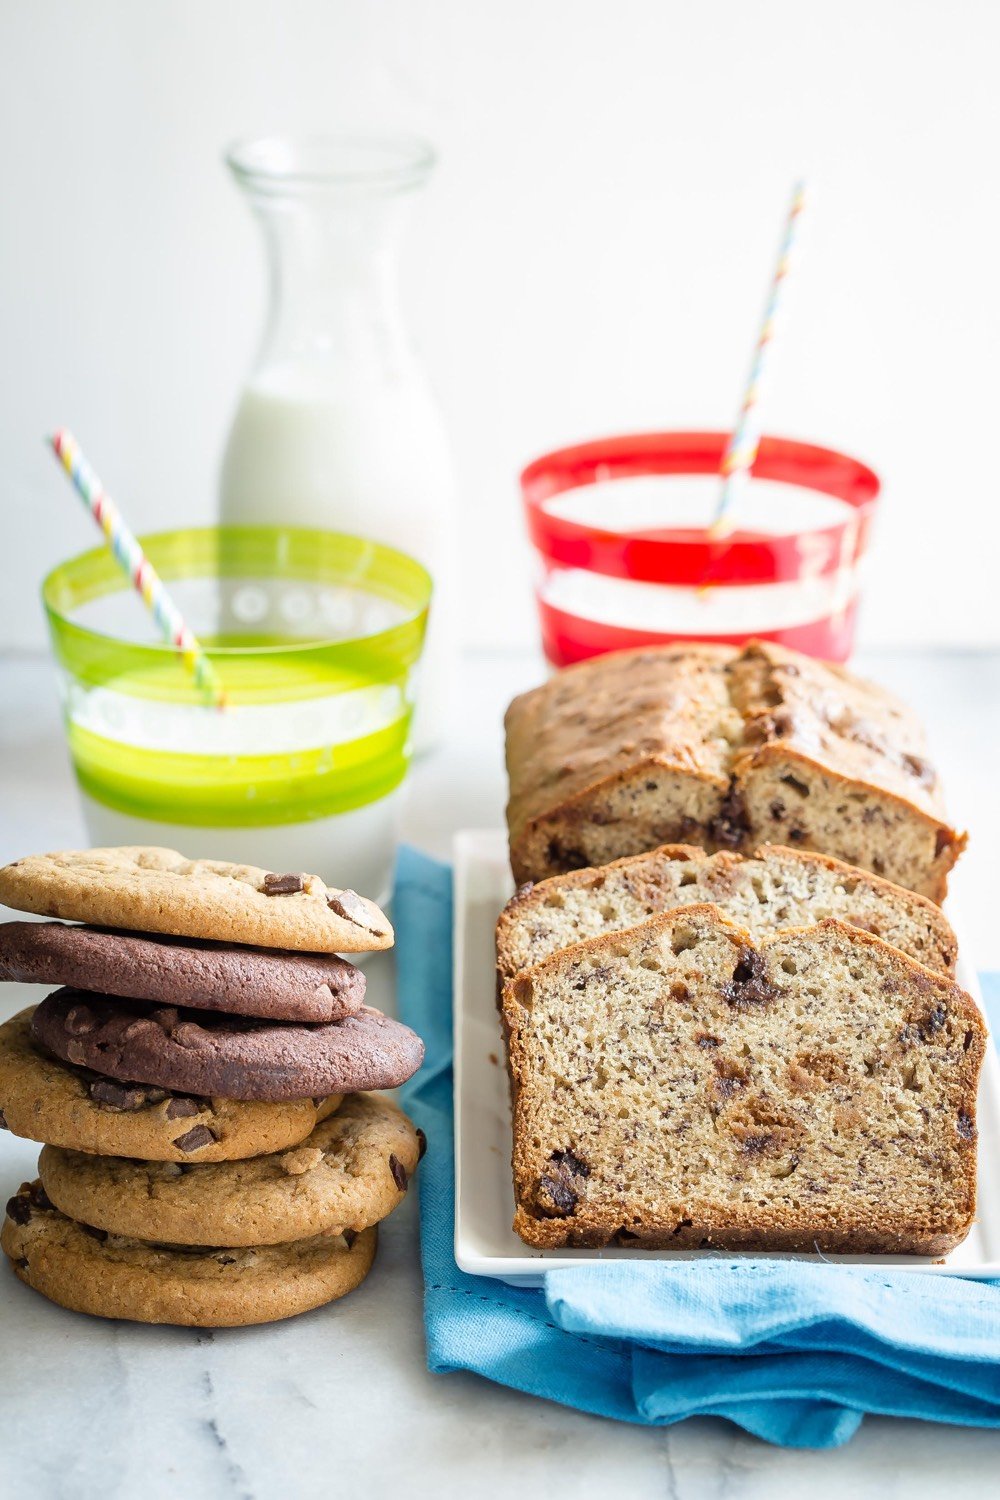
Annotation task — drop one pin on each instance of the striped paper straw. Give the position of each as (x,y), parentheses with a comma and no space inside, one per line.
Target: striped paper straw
(741,451)
(137,566)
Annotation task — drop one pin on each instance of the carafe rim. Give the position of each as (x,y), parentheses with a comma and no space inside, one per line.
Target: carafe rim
(383,162)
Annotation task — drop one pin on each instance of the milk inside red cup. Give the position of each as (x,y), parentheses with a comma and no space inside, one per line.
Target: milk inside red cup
(621,529)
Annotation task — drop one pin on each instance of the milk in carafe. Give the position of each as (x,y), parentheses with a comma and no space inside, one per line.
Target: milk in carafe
(337,427)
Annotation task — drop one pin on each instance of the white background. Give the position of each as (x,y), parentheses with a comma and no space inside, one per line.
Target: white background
(592,257)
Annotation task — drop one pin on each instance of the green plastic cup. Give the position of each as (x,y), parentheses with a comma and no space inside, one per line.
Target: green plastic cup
(315,636)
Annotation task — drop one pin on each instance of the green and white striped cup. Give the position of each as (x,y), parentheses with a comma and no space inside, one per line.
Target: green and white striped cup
(315,636)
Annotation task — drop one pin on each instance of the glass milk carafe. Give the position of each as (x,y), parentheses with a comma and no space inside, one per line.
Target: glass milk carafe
(336,428)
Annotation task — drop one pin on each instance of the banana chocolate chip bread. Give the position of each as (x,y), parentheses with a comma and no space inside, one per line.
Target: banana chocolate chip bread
(728,748)
(766,892)
(682,1085)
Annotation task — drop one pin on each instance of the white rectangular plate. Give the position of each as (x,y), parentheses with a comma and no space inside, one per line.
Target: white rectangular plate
(485,1244)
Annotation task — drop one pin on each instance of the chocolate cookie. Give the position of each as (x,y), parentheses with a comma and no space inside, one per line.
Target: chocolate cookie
(43,1099)
(112,1277)
(158,890)
(182,971)
(234,1057)
(350,1173)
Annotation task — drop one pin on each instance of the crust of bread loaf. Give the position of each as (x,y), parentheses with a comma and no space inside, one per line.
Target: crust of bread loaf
(877,738)
(737,1226)
(533,897)
(550,1234)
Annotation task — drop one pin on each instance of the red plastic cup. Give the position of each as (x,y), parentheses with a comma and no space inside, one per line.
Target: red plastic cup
(632,565)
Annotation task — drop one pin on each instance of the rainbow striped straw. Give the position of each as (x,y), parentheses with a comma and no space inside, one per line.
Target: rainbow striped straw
(741,450)
(137,566)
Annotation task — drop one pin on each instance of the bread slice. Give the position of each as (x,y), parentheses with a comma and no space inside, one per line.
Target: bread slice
(724,747)
(766,892)
(679,1085)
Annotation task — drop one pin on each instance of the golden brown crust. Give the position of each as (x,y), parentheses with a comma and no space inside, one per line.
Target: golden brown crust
(680,1085)
(834,718)
(639,748)
(659,701)
(550,1234)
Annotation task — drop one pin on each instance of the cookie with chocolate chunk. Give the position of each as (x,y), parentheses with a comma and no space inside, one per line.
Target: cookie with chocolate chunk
(44,1099)
(110,1276)
(182,971)
(349,1173)
(158,890)
(232,1057)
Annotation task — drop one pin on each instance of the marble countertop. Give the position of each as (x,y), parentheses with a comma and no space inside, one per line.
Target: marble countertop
(340,1399)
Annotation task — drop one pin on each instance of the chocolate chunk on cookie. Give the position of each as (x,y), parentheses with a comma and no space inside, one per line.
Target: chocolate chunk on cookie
(44,1099)
(233,1057)
(110,1276)
(242,980)
(355,909)
(348,1174)
(283,885)
(158,890)
(127,1096)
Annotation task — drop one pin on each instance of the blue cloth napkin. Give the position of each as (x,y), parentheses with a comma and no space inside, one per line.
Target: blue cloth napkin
(792,1351)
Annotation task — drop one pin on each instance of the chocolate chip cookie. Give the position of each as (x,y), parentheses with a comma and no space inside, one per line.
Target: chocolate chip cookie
(182,971)
(232,1057)
(112,1277)
(351,1172)
(158,890)
(43,1099)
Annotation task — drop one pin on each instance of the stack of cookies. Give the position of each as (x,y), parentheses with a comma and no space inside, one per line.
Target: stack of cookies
(213,1154)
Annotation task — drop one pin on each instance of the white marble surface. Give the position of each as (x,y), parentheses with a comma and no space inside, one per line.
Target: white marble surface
(340,1398)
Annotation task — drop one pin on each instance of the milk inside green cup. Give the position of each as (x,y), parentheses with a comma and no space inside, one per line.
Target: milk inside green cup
(314,636)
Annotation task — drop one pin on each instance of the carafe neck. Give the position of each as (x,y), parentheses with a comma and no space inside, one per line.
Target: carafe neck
(332,283)
(331,212)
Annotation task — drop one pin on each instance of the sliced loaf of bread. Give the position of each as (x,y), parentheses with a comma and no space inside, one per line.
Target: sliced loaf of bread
(766,892)
(725,747)
(681,1085)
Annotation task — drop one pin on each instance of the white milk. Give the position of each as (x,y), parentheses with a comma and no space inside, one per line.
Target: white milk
(355,847)
(651,502)
(368,457)
(645,502)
